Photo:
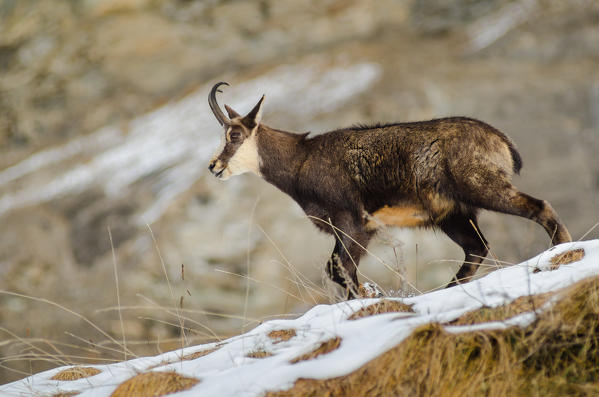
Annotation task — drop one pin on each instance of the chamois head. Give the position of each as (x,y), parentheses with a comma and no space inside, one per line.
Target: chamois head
(239,150)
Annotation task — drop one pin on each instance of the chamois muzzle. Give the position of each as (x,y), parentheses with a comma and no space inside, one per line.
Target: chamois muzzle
(220,116)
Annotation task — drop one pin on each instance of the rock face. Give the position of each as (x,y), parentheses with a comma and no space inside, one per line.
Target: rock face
(104,126)
(70,68)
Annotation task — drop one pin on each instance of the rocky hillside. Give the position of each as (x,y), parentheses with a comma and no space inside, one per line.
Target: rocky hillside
(105,133)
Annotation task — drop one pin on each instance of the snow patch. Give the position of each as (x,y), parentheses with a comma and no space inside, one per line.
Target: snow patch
(228,371)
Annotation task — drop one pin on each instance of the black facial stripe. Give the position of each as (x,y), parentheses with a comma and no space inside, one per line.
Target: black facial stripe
(229,151)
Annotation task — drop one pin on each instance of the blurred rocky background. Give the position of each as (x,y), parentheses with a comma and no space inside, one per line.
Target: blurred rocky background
(105,135)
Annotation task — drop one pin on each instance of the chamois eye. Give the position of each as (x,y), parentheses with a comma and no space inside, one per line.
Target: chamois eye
(234,136)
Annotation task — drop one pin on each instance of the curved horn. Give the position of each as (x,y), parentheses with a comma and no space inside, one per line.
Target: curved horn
(220,116)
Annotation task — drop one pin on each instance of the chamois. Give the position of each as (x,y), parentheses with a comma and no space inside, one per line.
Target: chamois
(351,181)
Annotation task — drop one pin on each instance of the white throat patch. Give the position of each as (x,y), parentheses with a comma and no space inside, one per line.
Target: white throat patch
(246,158)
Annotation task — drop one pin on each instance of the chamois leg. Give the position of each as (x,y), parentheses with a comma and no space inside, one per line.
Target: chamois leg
(342,267)
(513,202)
(541,212)
(346,278)
(468,236)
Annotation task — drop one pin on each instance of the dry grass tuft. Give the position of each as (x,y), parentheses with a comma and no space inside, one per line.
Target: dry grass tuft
(566,258)
(557,355)
(75,373)
(521,305)
(282,335)
(324,348)
(259,354)
(191,356)
(66,394)
(199,354)
(154,384)
(383,306)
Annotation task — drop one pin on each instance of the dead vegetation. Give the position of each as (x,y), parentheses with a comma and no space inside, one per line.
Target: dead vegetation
(282,335)
(198,354)
(191,356)
(324,348)
(557,355)
(154,384)
(566,258)
(259,354)
(368,290)
(75,373)
(523,304)
(383,306)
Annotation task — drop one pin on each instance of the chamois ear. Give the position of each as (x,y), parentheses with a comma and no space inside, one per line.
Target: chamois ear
(232,113)
(252,119)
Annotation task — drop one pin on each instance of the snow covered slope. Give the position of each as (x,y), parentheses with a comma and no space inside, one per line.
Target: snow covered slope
(260,360)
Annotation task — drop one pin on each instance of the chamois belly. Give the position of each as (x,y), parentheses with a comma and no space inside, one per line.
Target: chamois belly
(408,215)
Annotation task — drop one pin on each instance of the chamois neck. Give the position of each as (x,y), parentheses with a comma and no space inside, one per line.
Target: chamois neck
(281,156)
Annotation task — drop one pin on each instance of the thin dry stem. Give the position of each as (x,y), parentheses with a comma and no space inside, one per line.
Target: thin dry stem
(289,267)
(118,295)
(369,253)
(181,321)
(80,316)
